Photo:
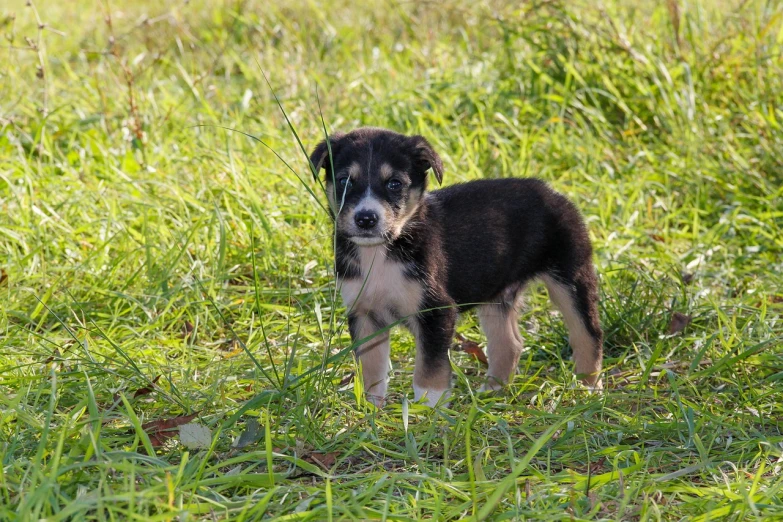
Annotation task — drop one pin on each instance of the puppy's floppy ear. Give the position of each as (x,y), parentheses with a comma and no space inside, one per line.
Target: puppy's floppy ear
(426,157)
(319,158)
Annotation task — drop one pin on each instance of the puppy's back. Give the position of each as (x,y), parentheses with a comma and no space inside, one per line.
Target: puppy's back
(493,231)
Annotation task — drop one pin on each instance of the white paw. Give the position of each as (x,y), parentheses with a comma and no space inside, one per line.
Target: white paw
(431,397)
(491,384)
(597,387)
(377,400)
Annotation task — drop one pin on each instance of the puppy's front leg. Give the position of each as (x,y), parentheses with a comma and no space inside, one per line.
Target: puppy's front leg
(434,331)
(373,357)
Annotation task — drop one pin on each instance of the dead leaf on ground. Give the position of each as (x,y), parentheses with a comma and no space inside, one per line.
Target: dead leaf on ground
(594,468)
(55,354)
(347,379)
(658,238)
(251,434)
(475,350)
(232,349)
(195,436)
(159,439)
(3,276)
(187,329)
(471,348)
(167,424)
(679,322)
(146,390)
(325,460)
(163,429)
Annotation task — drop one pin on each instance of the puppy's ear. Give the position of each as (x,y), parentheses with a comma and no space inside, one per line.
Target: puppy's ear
(426,157)
(319,158)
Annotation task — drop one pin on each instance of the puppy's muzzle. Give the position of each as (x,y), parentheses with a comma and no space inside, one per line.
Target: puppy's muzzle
(366,219)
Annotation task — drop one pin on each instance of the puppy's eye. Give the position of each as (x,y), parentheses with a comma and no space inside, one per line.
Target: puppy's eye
(394,185)
(343,183)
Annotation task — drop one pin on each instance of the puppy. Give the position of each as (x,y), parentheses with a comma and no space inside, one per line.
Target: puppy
(405,254)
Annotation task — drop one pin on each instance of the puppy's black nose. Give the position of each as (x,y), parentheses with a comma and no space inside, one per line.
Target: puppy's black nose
(365,219)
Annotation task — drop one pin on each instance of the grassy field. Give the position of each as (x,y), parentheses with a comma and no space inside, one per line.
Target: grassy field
(170,342)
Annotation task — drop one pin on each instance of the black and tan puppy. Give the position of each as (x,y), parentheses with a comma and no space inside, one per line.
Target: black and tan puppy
(404,253)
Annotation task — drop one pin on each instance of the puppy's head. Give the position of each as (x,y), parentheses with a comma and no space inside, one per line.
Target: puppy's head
(375,181)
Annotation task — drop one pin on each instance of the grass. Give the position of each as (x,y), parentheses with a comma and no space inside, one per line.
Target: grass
(158,269)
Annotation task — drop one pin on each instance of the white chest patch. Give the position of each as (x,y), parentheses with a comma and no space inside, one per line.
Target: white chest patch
(382,288)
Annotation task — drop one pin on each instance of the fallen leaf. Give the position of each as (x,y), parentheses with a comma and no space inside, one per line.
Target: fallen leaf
(3,276)
(476,351)
(233,348)
(347,379)
(162,429)
(187,329)
(594,468)
(146,390)
(656,237)
(325,460)
(159,439)
(236,470)
(51,358)
(195,436)
(304,505)
(250,435)
(167,424)
(679,322)
(471,348)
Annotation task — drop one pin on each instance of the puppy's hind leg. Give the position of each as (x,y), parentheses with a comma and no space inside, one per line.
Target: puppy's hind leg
(577,299)
(504,343)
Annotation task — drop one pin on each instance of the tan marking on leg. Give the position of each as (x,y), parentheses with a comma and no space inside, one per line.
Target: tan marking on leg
(374,360)
(504,343)
(587,353)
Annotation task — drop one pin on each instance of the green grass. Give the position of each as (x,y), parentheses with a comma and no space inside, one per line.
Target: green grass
(155,265)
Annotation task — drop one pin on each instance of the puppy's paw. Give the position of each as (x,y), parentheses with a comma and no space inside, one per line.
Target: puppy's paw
(378,401)
(431,398)
(595,387)
(492,384)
